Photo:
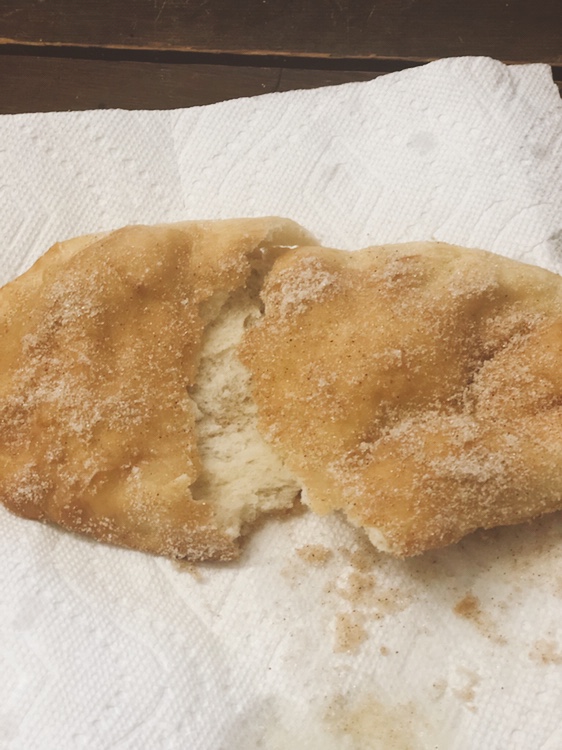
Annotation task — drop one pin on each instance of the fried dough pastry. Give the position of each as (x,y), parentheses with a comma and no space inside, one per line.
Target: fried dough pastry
(105,427)
(416,387)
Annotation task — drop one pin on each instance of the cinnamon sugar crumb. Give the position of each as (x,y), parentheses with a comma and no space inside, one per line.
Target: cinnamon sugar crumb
(467,692)
(363,557)
(314,554)
(359,588)
(350,633)
(364,721)
(546,652)
(469,609)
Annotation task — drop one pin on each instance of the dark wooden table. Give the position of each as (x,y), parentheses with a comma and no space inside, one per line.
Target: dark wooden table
(82,54)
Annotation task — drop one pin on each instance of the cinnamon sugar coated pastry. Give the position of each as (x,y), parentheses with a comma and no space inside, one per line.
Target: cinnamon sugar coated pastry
(161,387)
(416,387)
(124,411)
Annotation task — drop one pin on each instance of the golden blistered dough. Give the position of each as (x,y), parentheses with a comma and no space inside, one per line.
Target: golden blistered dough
(416,387)
(100,342)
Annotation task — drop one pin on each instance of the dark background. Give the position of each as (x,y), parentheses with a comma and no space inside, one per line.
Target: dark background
(72,54)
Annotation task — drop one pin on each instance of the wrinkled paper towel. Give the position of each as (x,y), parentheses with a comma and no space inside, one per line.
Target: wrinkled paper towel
(459,649)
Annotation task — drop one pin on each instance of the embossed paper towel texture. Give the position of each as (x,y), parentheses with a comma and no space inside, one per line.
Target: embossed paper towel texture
(461,649)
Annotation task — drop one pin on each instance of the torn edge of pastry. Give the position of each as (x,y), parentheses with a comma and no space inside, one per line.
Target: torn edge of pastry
(125,414)
(241,475)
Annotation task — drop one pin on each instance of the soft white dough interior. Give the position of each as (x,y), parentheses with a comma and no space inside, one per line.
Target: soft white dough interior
(241,475)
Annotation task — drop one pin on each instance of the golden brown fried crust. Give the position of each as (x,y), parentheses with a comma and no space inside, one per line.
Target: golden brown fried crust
(417,387)
(100,341)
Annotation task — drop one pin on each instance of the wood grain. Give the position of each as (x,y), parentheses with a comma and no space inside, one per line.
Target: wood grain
(509,30)
(43,84)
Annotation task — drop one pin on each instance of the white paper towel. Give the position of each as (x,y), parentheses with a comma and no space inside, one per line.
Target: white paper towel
(105,648)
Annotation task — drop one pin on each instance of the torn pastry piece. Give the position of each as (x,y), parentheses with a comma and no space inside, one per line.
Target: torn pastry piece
(125,413)
(416,387)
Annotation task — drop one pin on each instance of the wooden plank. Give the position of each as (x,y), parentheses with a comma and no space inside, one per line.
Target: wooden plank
(509,30)
(300,78)
(42,84)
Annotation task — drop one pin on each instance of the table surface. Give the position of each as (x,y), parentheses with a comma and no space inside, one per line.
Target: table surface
(70,55)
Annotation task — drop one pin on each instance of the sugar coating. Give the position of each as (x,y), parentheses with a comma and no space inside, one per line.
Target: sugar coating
(103,342)
(146,398)
(419,391)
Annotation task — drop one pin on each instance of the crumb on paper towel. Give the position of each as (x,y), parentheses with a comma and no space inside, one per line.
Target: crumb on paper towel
(362,578)
(371,724)
(363,721)
(469,608)
(370,600)
(546,652)
(315,554)
(376,600)
(358,588)
(364,557)
(466,692)
(350,632)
